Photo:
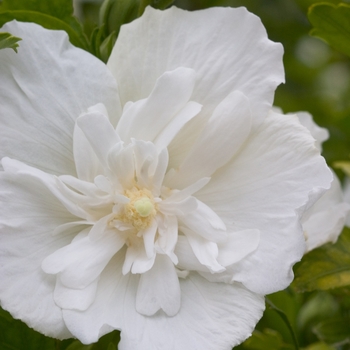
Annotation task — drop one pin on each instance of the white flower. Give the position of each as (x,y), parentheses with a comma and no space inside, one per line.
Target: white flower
(324,221)
(166,207)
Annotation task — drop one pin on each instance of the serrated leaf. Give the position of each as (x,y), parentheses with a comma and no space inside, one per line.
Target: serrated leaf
(15,335)
(47,22)
(331,23)
(326,267)
(334,330)
(8,41)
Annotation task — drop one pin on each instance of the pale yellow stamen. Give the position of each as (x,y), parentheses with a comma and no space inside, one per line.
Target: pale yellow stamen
(141,209)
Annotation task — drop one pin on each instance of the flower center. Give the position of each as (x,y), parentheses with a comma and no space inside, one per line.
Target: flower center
(141,209)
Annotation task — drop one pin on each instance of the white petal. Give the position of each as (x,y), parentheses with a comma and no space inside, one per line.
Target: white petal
(136,259)
(159,288)
(278,172)
(49,83)
(212,316)
(205,222)
(82,261)
(190,110)
(318,133)
(86,161)
(205,251)
(145,119)
(228,48)
(238,246)
(100,133)
(76,299)
(29,213)
(222,137)
(148,238)
(187,259)
(121,163)
(51,182)
(168,234)
(158,177)
(181,208)
(188,191)
(324,221)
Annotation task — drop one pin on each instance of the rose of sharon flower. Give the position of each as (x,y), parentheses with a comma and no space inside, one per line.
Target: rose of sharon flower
(156,195)
(324,221)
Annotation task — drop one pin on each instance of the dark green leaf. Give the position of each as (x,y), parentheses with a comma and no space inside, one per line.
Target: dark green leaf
(56,8)
(15,335)
(286,321)
(8,41)
(326,267)
(107,46)
(114,13)
(331,23)
(47,22)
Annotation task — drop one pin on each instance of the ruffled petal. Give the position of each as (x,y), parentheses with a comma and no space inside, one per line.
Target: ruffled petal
(99,132)
(277,174)
(29,214)
(230,52)
(146,118)
(159,289)
(319,134)
(228,314)
(46,86)
(81,262)
(205,222)
(325,220)
(222,137)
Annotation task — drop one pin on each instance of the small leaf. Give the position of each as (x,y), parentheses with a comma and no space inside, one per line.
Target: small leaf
(8,41)
(331,23)
(326,267)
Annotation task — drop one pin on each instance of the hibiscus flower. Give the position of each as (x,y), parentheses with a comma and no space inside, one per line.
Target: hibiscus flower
(157,195)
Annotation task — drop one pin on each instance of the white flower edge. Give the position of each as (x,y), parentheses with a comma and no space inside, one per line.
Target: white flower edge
(324,221)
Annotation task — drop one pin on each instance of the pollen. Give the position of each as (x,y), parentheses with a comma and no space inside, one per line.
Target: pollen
(141,209)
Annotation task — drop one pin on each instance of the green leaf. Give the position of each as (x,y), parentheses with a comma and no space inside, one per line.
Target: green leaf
(286,321)
(334,330)
(47,22)
(8,41)
(268,339)
(15,335)
(56,8)
(320,346)
(344,166)
(326,267)
(331,23)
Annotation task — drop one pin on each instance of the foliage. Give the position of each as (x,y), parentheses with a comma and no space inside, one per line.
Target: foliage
(315,311)
(8,41)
